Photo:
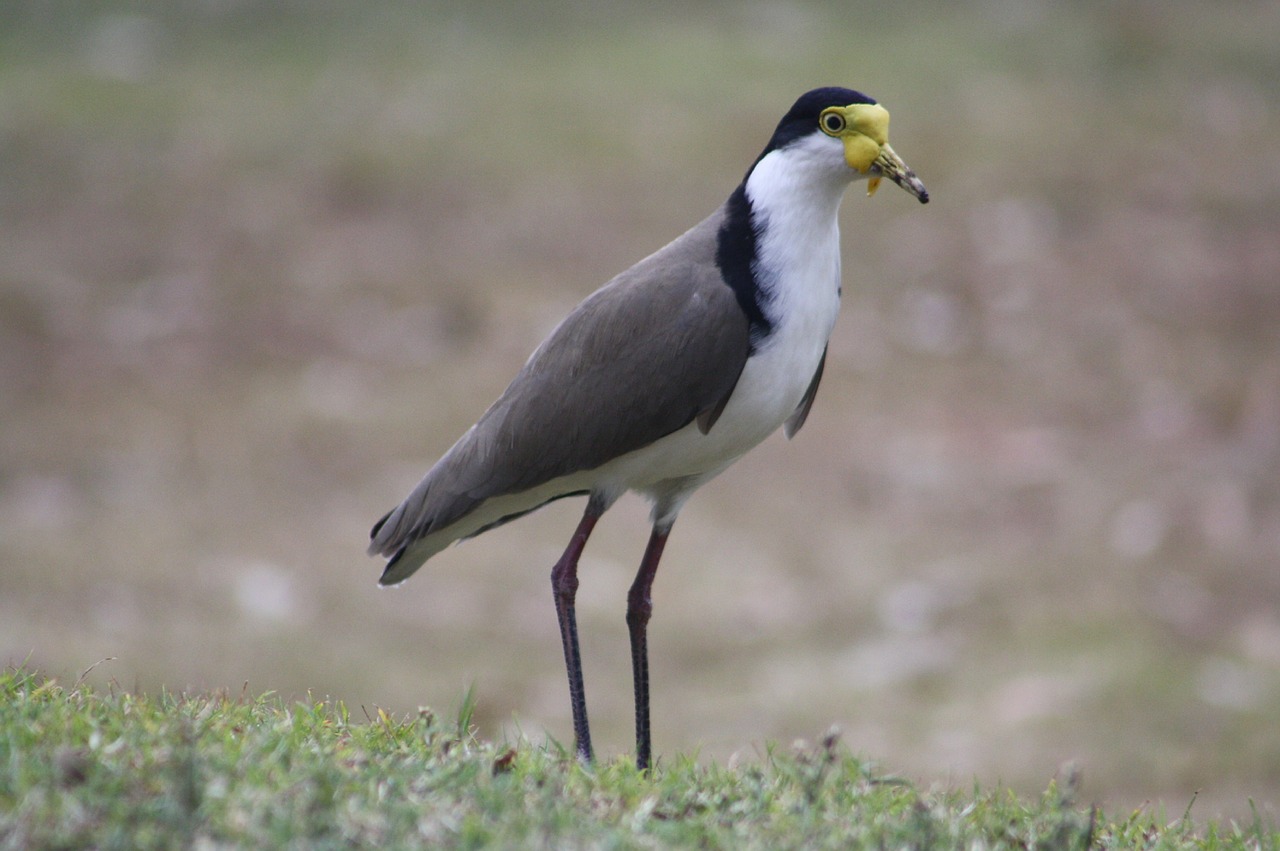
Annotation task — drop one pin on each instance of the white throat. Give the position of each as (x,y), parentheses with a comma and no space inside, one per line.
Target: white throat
(806,179)
(795,195)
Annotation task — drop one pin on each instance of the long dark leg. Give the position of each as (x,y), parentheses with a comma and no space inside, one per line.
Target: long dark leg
(639,608)
(564,585)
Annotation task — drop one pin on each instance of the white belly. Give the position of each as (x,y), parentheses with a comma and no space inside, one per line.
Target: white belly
(771,387)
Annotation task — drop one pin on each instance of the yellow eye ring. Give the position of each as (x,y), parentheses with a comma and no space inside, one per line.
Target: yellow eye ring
(832,122)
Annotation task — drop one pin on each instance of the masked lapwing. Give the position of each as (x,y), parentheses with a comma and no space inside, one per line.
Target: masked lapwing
(666,375)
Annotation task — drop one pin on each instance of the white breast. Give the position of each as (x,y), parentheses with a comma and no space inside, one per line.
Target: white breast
(797,197)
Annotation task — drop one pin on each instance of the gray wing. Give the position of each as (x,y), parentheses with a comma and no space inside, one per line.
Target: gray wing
(659,346)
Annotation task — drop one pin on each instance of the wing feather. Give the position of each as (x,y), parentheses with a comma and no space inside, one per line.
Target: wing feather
(801,413)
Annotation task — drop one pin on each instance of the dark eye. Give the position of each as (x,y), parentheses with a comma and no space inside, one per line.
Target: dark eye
(832,123)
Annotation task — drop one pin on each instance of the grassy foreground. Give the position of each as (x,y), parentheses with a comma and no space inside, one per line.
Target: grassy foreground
(80,768)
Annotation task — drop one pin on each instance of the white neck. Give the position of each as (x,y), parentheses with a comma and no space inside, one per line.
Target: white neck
(795,194)
(806,180)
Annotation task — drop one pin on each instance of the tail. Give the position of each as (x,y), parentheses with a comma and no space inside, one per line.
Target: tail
(405,561)
(397,569)
(414,531)
(431,518)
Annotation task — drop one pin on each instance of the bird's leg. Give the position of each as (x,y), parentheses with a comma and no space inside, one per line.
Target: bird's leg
(564,585)
(639,608)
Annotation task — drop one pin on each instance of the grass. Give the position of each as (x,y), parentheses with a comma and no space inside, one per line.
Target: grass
(81,767)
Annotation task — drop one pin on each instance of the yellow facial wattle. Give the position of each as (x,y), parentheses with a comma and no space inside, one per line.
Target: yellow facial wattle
(860,151)
(863,127)
(864,130)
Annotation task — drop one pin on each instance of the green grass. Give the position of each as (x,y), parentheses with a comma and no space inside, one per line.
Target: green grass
(114,769)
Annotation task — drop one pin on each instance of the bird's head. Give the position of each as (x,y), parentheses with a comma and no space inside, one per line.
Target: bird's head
(844,126)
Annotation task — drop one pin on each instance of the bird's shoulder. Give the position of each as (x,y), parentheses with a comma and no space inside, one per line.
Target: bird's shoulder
(672,305)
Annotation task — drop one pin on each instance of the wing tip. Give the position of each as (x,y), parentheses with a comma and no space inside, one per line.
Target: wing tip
(707,418)
(394,573)
(384,541)
(404,557)
(377,527)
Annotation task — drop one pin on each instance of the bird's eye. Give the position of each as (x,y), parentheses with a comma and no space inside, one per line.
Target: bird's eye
(831,122)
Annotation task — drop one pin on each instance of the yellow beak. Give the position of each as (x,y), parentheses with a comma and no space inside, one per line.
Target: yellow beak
(890,165)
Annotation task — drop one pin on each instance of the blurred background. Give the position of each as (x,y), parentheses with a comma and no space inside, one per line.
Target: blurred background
(262,262)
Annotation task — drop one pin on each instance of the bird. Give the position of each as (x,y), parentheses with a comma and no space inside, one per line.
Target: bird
(662,378)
